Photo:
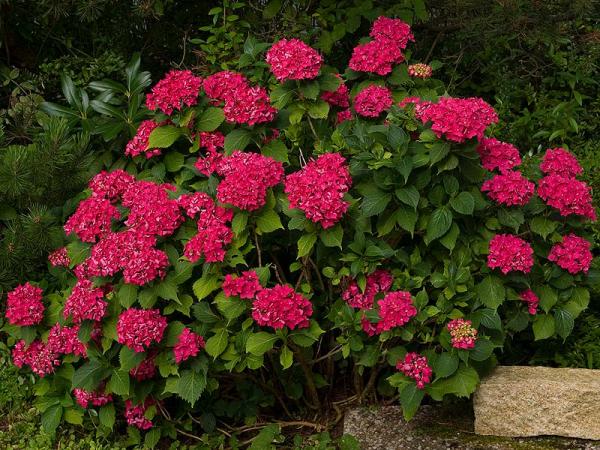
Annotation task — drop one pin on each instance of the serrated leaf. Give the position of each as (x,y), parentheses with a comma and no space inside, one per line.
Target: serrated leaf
(482,351)
(463,203)
(119,382)
(89,375)
(73,416)
(375,201)
(107,415)
(286,357)
(237,140)
(277,150)
(127,295)
(409,196)
(260,343)
(306,243)
(564,322)
(217,344)
(164,136)
(491,292)
(319,110)
(210,119)
(51,418)
(548,297)
(445,365)
(174,161)
(407,219)
(543,326)
(190,385)
(129,359)
(439,224)
(332,237)
(268,221)
(410,399)
(543,226)
(205,285)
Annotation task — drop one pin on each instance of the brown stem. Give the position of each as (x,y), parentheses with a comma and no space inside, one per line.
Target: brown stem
(370,383)
(310,381)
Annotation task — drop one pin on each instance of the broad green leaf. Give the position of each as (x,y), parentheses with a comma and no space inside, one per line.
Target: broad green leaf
(127,295)
(89,375)
(51,418)
(375,201)
(548,297)
(319,110)
(268,221)
(543,326)
(489,318)
(463,203)
(543,226)
(409,196)
(462,384)
(237,140)
(445,365)
(119,382)
(260,343)
(306,243)
(578,302)
(410,399)
(491,291)
(203,286)
(151,438)
(564,322)
(107,415)
(174,161)
(129,359)
(190,386)
(482,351)
(163,137)
(210,119)
(332,236)
(73,416)
(407,219)
(277,150)
(230,307)
(439,224)
(217,344)
(286,357)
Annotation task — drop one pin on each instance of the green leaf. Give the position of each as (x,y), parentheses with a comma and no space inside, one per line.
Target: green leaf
(407,219)
(260,343)
(375,201)
(332,237)
(203,286)
(119,382)
(445,365)
(286,357)
(543,226)
(107,415)
(409,196)
(151,438)
(163,137)
(543,327)
(462,384)
(237,140)
(281,96)
(548,297)
(190,385)
(210,119)
(410,399)
(129,359)
(482,351)
(306,243)
(277,150)
(310,89)
(73,416)
(319,110)
(174,161)
(491,292)
(439,224)
(268,221)
(564,322)
(490,318)
(449,239)
(463,203)
(217,344)
(271,9)
(51,418)
(127,295)
(89,375)
(578,302)
(230,307)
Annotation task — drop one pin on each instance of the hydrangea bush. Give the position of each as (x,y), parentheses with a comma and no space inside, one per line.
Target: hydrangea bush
(328,233)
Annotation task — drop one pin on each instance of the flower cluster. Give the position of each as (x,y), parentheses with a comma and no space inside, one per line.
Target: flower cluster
(339,97)
(459,119)
(243,103)
(208,164)
(245,286)
(531,299)
(65,341)
(59,258)
(92,219)
(372,101)
(572,254)
(395,309)
(111,185)
(415,366)
(41,360)
(510,188)
(247,176)
(24,306)
(95,398)
(280,306)
(559,161)
(213,232)
(188,345)
(176,89)
(462,333)
(393,31)
(318,189)
(499,155)
(135,414)
(138,328)
(342,116)
(146,370)
(138,145)
(377,282)
(568,195)
(510,253)
(420,70)
(85,302)
(292,59)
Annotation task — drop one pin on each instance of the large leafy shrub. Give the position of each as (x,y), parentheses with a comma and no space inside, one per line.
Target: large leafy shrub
(273,250)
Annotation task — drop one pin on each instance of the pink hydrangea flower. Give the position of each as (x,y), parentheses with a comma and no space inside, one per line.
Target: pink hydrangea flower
(221,85)
(568,195)
(65,341)
(459,119)
(372,101)
(111,185)
(146,370)
(85,303)
(375,57)
(377,282)
(395,309)
(188,345)
(416,366)
(245,286)
(392,31)
(139,328)
(249,106)
(139,144)
(510,188)
(24,305)
(37,356)
(135,414)
(531,299)
(499,155)
(558,161)
(572,254)
(280,306)
(420,70)
(59,258)
(339,97)
(95,398)
(510,253)
(176,89)
(318,189)
(92,219)
(342,116)
(462,333)
(292,59)
(247,177)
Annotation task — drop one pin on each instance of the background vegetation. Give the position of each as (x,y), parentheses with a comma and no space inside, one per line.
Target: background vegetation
(535,61)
